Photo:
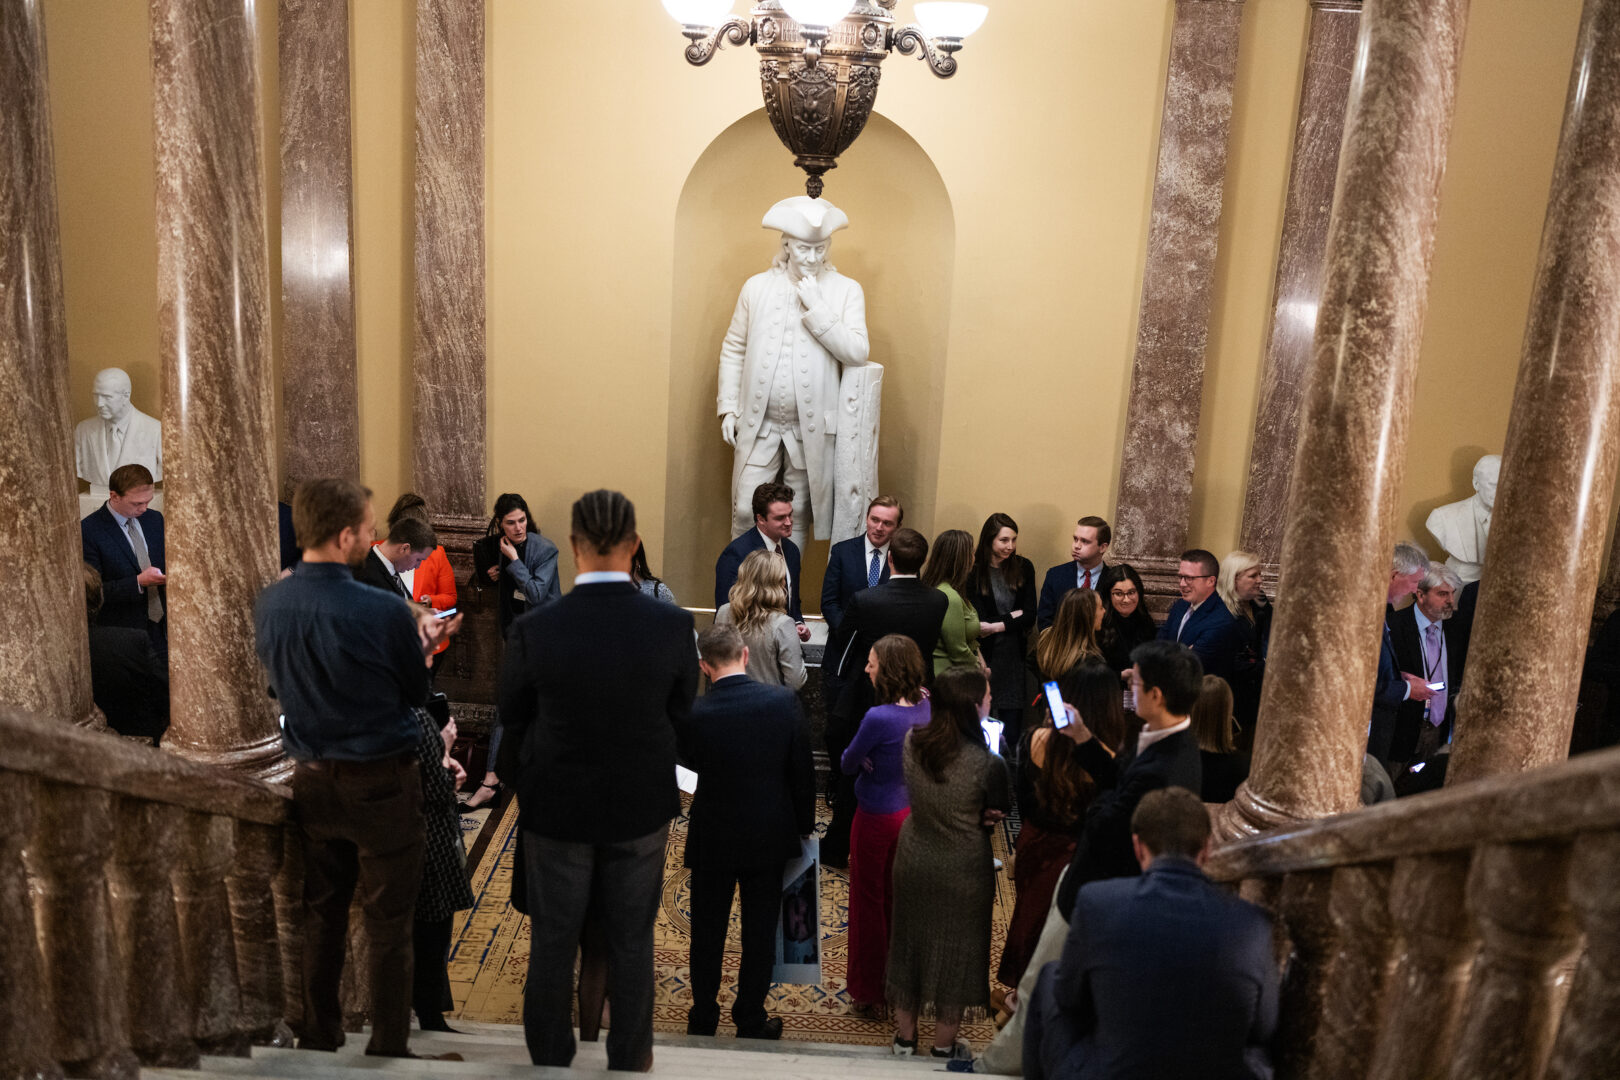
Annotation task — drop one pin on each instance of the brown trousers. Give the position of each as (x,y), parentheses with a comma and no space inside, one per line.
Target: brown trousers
(361,823)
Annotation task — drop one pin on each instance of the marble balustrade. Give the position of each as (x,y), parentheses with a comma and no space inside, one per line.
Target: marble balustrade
(1431,936)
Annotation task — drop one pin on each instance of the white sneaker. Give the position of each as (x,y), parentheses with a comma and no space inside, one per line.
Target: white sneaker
(961,1050)
(900,1049)
(999,864)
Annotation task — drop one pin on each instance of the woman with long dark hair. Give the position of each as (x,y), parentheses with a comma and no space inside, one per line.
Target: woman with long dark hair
(1054,792)
(1126,622)
(645,580)
(949,569)
(944,877)
(1002,590)
(1072,637)
(895,666)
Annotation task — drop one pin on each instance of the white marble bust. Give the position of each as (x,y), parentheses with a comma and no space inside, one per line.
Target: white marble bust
(119,434)
(797,395)
(1463,527)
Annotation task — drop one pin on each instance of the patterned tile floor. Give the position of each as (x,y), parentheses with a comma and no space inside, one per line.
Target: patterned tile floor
(490,949)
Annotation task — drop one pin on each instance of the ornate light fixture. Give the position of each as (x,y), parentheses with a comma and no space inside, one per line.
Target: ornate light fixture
(820,61)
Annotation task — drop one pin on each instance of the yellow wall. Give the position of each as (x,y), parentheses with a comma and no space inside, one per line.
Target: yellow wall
(1044,146)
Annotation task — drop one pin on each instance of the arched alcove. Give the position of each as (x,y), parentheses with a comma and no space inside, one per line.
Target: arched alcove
(900,245)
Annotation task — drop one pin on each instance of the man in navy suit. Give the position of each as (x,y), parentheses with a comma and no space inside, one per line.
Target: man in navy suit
(1393,687)
(1163,975)
(1201,620)
(756,796)
(861,562)
(1421,636)
(1090,543)
(123,540)
(773,524)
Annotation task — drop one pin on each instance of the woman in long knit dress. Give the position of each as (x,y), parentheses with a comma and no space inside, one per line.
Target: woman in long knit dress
(944,878)
(445,889)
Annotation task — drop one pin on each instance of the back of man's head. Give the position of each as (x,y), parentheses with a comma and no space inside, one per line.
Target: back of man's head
(720,645)
(909,550)
(416,535)
(603,520)
(1409,559)
(1174,670)
(92,591)
(1171,821)
(126,478)
(324,507)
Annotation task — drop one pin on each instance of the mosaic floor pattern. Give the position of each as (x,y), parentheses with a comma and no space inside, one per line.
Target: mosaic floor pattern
(490,949)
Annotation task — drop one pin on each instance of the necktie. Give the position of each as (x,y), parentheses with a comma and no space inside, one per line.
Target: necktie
(154,603)
(873,571)
(1088,579)
(1433,654)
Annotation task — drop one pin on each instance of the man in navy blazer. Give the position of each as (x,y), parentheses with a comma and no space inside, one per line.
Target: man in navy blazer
(1393,687)
(773,524)
(756,796)
(123,540)
(1164,975)
(1085,570)
(1201,620)
(861,562)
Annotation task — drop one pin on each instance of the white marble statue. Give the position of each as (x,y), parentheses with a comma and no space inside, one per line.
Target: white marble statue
(798,400)
(119,434)
(1463,527)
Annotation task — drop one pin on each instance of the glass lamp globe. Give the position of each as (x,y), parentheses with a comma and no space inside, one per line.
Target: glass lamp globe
(817,12)
(950,19)
(699,12)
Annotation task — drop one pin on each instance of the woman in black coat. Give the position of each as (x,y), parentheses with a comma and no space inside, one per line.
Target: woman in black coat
(1126,622)
(1002,590)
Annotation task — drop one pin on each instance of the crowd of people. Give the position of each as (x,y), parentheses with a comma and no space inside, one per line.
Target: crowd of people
(939,723)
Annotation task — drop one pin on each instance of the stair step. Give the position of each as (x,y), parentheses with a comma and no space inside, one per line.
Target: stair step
(491,1037)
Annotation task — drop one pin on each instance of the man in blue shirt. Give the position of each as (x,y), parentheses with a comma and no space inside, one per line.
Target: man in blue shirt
(348,663)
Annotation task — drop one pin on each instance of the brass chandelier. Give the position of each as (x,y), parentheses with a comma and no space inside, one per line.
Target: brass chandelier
(820,61)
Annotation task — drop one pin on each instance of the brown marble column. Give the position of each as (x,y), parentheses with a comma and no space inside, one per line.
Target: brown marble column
(320,404)
(448,419)
(215,344)
(1330,57)
(43,648)
(1178,287)
(1340,522)
(1558,465)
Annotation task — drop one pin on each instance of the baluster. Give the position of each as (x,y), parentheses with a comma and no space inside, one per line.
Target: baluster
(289,889)
(1520,903)
(145,851)
(83,992)
(1358,972)
(1303,904)
(1587,1047)
(24,1044)
(253,916)
(1427,901)
(355,989)
(207,848)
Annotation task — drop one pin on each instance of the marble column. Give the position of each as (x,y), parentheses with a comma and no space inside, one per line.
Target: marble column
(1330,57)
(320,403)
(448,418)
(1178,287)
(44,650)
(1340,520)
(1563,442)
(214,339)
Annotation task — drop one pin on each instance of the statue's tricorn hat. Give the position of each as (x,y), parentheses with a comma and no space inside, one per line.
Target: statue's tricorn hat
(807,219)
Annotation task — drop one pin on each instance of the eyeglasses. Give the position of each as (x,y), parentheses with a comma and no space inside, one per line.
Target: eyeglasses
(1126,594)
(1193,577)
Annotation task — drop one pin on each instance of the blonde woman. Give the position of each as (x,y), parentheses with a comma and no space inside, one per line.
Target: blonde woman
(1239,588)
(759,610)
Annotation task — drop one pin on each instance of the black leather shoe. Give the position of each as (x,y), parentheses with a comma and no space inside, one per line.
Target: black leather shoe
(770,1029)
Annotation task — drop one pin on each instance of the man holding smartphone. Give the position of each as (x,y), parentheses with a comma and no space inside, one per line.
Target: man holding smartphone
(1421,636)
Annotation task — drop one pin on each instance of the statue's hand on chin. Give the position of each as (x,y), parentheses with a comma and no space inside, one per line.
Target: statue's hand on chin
(809,292)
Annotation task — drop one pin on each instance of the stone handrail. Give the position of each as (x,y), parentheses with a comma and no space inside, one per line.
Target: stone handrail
(147,906)
(1413,943)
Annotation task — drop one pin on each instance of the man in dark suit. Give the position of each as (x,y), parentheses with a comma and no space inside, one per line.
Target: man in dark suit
(1419,635)
(861,562)
(1085,570)
(123,540)
(773,524)
(1392,687)
(409,542)
(592,690)
(901,605)
(756,796)
(1167,678)
(128,682)
(1201,620)
(1163,975)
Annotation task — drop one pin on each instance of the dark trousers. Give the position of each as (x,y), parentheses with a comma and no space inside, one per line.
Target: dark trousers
(711,915)
(840,788)
(1051,1039)
(621,882)
(430,981)
(361,823)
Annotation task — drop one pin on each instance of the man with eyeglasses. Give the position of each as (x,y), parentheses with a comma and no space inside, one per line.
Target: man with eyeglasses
(1200,619)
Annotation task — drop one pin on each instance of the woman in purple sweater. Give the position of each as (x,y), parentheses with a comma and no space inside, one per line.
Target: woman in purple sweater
(895,666)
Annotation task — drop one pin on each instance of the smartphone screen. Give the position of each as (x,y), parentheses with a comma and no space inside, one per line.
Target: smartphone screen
(992,734)
(1054,701)
(1437,686)
(445,614)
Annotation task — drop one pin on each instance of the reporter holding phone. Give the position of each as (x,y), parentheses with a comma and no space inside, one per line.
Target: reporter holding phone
(1054,792)
(1002,590)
